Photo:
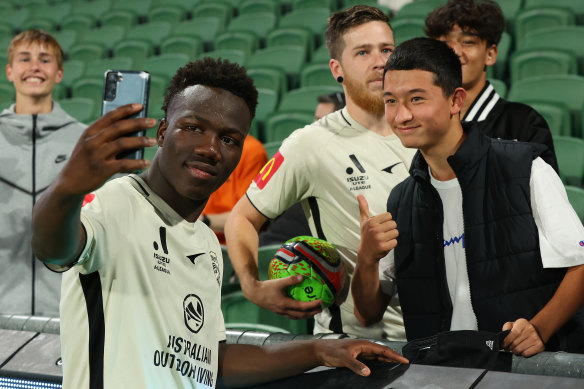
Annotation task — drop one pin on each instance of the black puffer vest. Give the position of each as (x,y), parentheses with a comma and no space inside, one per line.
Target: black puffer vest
(507,279)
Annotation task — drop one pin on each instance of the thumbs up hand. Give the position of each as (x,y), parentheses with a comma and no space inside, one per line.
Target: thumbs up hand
(378,234)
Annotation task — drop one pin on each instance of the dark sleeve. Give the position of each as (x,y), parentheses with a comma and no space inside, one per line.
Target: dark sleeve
(540,133)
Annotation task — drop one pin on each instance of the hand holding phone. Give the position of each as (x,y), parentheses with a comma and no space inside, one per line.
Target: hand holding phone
(123,87)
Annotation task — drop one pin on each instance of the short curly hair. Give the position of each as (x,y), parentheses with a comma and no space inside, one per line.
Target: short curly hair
(484,17)
(215,73)
(341,21)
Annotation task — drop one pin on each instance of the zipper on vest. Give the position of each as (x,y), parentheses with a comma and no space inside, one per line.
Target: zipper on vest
(466,264)
(33,192)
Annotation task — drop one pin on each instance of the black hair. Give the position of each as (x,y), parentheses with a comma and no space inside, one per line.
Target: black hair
(430,55)
(336,98)
(215,73)
(482,17)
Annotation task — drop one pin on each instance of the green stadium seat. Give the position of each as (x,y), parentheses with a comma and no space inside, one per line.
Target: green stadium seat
(106,36)
(53,12)
(371,3)
(570,154)
(267,103)
(302,4)
(81,108)
(7,92)
(39,24)
(510,10)
(189,45)
(87,51)
(72,70)
(417,9)
(407,28)
(272,148)
(238,40)
(138,50)
(66,39)
(233,3)
(232,55)
(155,107)
(533,19)
(305,99)
(94,8)
(320,55)
(295,36)
(541,62)
(78,22)
(576,198)
(165,65)
(565,37)
(238,310)
(15,17)
(255,6)
(557,116)
(577,7)
(221,11)
(119,17)
(500,86)
(6,29)
(499,70)
(203,28)
(140,7)
(166,13)
(314,19)
(186,5)
(153,32)
(265,255)
(269,78)
(288,58)
(258,23)
(98,67)
(230,282)
(567,89)
(280,125)
(317,74)
(91,88)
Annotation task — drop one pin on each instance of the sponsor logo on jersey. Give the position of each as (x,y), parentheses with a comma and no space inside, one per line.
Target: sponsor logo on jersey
(193,257)
(390,167)
(268,171)
(357,180)
(60,158)
(88,199)
(215,264)
(194,314)
(161,260)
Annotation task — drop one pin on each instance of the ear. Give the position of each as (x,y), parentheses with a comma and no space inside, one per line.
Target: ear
(336,68)
(457,101)
(59,76)
(161,132)
(492,53)
(9,73)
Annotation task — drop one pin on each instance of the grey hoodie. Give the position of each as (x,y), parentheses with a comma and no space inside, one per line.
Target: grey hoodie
(33,150)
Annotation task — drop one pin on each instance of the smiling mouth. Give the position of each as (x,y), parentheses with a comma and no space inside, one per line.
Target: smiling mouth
(34,80)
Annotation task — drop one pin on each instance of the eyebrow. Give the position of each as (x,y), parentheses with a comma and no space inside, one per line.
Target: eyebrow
(369,45)
(205,121)
(415,90)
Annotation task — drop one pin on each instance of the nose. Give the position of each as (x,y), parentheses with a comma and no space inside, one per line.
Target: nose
(455,46)
(208,147)
(403,114)
(380,59)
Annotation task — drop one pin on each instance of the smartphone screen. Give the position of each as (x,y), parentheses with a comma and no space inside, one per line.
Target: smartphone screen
(123,87)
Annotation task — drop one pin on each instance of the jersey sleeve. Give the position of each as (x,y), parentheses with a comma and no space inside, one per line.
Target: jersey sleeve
(387,274)
(286,178)
(93,220)
(561,234)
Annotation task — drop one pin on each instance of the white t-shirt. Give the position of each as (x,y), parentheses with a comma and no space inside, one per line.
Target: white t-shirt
(561,238)
(325,165)
(144,300)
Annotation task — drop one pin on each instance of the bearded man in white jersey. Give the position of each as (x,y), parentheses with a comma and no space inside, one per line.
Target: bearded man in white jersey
(141,292)
(324,166)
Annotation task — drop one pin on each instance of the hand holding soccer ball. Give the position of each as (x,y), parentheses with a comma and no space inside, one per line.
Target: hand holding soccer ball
(315,259)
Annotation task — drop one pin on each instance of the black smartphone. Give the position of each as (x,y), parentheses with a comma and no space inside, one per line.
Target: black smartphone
(123,87)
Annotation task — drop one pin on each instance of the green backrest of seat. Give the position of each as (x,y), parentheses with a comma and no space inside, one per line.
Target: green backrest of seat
(72,70)
(106,36)
(78,22)
(316,74)
(94,8)
(302,4)
(239,40)
(119,17)
(567,89)
(499,69)
(267,103)
(98,67)
(281,124)
(15,17)
(153,32)
(305,99)
(314,19)
(541,62)
(260,23)
(288,58)
(272,148)
(510,10)
(269,78)
(140,7)
(47,25)
(255,6)
(66,39)
(320,55)
(576,6)
(500,86)
(265,255)
(407,28)
(576,198)
(138,50)
(232,55)
(204,28)
(87,51)
(570,154)
(190,45)
(221,11)
(295,36)
(91,88)
(565,37)
(166,13)
(7,92)
(557,116)
(417,9)
(81,108)
(165,65)
(533,19)
(230,282)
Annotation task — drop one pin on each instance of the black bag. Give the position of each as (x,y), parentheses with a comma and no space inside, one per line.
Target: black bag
(475,349)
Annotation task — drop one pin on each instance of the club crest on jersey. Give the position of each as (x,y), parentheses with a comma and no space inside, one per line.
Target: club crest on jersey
(194,313)
(269,169)
(215,264)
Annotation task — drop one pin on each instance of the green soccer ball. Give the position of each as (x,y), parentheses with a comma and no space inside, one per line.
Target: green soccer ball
(315,259)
